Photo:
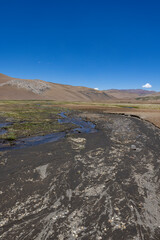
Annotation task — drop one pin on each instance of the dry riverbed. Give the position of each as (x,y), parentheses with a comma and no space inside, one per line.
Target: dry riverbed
(100,185)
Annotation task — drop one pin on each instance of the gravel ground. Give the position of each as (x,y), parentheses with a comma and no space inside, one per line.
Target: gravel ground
(102,185)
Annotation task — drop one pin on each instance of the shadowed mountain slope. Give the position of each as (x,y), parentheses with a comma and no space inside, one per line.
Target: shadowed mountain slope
(129,93)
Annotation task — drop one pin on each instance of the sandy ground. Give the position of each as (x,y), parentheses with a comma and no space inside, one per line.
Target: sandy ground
(149,114)
(103,185)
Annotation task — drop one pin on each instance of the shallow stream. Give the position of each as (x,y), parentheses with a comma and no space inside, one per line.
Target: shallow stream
(82,127)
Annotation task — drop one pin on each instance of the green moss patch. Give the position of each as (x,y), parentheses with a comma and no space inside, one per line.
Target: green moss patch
(31,118)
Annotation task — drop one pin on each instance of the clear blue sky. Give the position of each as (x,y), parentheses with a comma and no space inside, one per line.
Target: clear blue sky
(103,44)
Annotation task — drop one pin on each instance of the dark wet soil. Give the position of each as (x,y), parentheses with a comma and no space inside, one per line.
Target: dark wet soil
(102,185)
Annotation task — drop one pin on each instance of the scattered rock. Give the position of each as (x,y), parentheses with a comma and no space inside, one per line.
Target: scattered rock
(133,147)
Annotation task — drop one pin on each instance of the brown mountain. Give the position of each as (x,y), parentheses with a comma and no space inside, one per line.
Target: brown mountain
(129,93)
(24,89)
(153,97)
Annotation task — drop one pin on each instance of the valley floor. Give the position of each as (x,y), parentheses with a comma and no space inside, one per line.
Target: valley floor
(101,185)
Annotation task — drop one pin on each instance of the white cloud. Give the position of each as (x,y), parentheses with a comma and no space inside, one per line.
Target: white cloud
(147,85)
(96,88)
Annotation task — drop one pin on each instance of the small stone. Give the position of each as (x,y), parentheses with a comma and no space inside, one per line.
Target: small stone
(110,220)
(116,208)
(99,237)
(49,154)
(133,147)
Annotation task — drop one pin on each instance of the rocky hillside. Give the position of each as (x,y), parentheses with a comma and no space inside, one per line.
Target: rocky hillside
(23,89)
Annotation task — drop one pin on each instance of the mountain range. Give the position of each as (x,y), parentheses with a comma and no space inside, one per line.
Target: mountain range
(26,89)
